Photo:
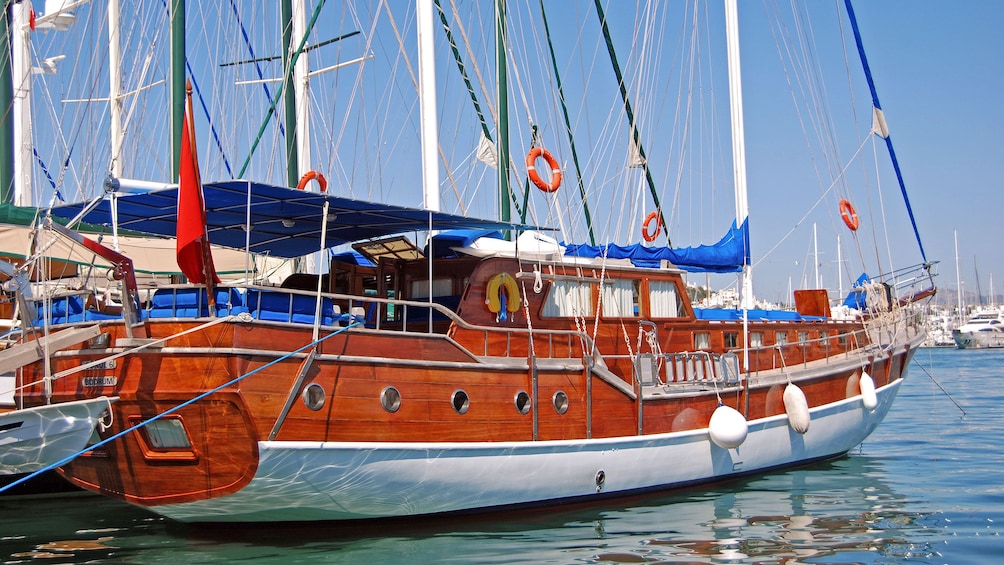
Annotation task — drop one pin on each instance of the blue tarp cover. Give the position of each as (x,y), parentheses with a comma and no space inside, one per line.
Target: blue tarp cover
(727,256)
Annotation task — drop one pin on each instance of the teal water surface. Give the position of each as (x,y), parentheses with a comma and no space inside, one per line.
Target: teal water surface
(926,487)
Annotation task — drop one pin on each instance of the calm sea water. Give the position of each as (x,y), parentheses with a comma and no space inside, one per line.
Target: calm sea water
(927,487)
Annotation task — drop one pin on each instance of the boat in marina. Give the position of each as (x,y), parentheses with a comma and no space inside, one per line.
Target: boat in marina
(984,329)
(462,375)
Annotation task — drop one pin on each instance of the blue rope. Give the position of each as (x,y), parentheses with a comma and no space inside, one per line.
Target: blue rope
(888,138)
(261,76)
(67,459)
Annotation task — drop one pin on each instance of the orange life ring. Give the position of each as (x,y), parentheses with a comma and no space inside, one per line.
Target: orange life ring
(849,215)
(313,175)
(650,237)
(531,169)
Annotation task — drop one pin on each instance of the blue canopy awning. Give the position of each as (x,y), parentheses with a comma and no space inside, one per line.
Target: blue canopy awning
(727,256)
(284,222)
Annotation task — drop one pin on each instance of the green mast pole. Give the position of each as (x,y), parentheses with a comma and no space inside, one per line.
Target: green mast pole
(6,118)
(292,155)
(177,80)
(503,105)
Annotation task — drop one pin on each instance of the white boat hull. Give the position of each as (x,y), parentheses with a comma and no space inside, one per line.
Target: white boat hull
(305,481)
(978,339)
(35,438)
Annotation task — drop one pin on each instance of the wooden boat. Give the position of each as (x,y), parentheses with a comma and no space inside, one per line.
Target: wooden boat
(424,382)
(522,382)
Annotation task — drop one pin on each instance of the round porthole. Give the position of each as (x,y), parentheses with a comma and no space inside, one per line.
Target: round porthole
(390,399)
(461,403)
(313,396)
(522,402)
(560,401)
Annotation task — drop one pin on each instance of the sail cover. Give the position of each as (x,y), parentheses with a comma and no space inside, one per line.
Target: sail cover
(727,256)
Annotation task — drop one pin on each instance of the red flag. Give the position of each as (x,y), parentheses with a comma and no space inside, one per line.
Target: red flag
(194,257)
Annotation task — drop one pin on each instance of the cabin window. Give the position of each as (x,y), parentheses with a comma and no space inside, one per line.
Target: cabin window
(167,433)
(702,340)
(780,338)
(620,298)
(569,298)
(731,340)
(165,440)
(803,337)
(756,339)
(663,301)
(440,287)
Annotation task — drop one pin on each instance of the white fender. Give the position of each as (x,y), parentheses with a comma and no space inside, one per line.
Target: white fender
(728,428)
(868,395)
(797,408)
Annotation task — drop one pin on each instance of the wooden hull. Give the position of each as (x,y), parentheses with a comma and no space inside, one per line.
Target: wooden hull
(260,415)
(350,481)
(253,448)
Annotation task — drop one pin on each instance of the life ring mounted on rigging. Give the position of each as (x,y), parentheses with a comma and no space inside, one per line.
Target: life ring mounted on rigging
(531,169)
(647,235)
(849,215)
(313,175)
(502,295)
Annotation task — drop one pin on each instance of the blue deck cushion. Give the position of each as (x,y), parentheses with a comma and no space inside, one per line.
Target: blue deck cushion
(288,307)
(194,302)
(63,309)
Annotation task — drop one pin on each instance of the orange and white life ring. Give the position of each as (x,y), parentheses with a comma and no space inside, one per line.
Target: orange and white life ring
(502,282)
(531,169)
(849,214)
(313,175)
(647,235)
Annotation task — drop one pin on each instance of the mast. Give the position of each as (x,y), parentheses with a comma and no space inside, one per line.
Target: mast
(502,89)
(20,65)
(177,80)
(958,277)
(6,121)
(427,103)
(115,88)
(738,142)
(293,89)
(301,89)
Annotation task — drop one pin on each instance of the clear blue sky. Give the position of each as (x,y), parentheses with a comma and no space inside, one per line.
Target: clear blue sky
(937,69)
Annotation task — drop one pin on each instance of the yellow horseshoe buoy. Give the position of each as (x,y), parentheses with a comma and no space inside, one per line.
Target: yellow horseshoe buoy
(493,293)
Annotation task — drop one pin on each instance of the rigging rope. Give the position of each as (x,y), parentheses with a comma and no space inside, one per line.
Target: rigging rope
(568,126)
(635,133)
(885,134)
